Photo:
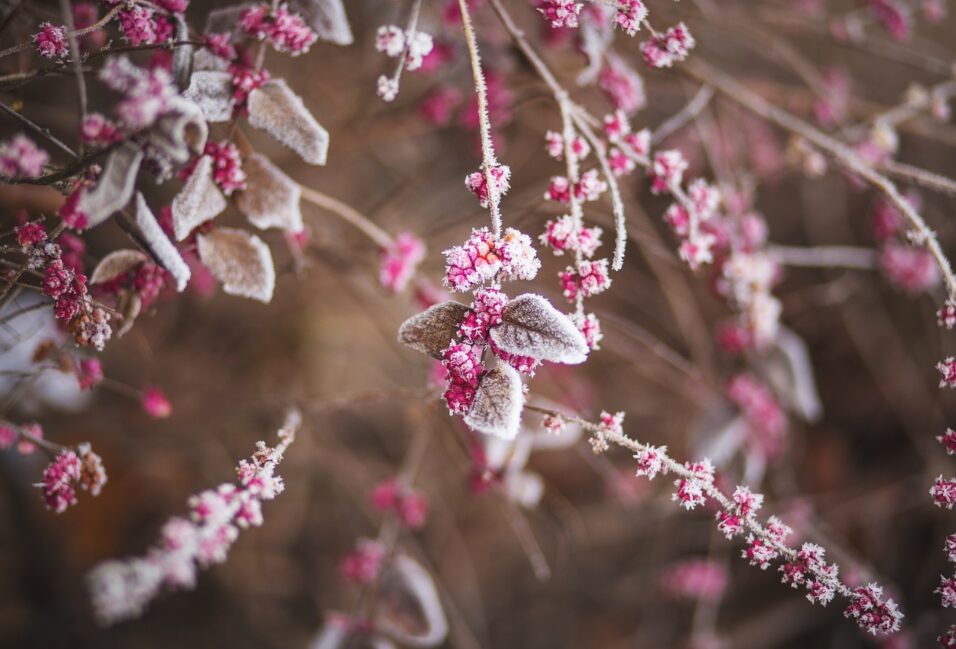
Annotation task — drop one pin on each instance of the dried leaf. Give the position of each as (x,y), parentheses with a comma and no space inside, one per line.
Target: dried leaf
(211,90)
(115,264)
(271,199)
(327,18)
(241,261)
(280,112)
(115,186)
(531,326)
(198,201)
(159,244)
(432,331)
(787,368)
(129,306)
(409,608)
(498,403)
(181,132)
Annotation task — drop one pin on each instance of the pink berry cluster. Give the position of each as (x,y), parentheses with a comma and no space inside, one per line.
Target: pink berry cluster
(20,157)
(155,403)
(99,130)
(146,281)
(393,41)
(560,13)
(284,30)
(765,417)
(142,25)
(24,441)
(364,564)
(70,469)
(147,92)
(400,260)
(477,183)
(693,217)
(909,268)
(51,41)
(410,506)
(66,286)
(630,15)
(805,567)
(122,589)
(227,170)
(484,257)
(664,50)
(567,233)
(410,46)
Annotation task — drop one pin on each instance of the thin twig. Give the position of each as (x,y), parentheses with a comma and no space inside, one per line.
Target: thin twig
(488,160)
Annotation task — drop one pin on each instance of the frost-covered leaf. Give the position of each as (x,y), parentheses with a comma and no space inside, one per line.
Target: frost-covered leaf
(274,108)
(198,201)
(115,186)
(786,365)
(409,608)
(182,54)
(327,18)
(498,403)
(181,132)
(240,261)
(159,244)
(211,90)
(270,199)
(431,331)
(115,264)
(531,326)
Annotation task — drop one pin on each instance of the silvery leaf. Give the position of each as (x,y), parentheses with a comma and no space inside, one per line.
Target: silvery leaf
(270,199)
(115,186)
(327,18)
(409,608)
(211,90)
(531,326)
(274,108)
(498,403)
(198,201)
(241,261)
(181,132)
(432,331)
(159,244)
(115,264)
(786,366)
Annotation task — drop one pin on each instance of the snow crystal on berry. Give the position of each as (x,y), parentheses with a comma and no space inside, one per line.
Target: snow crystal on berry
(477,184)
(630,15)
(560,13)
(872,612)
(51,41)
(475,261)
